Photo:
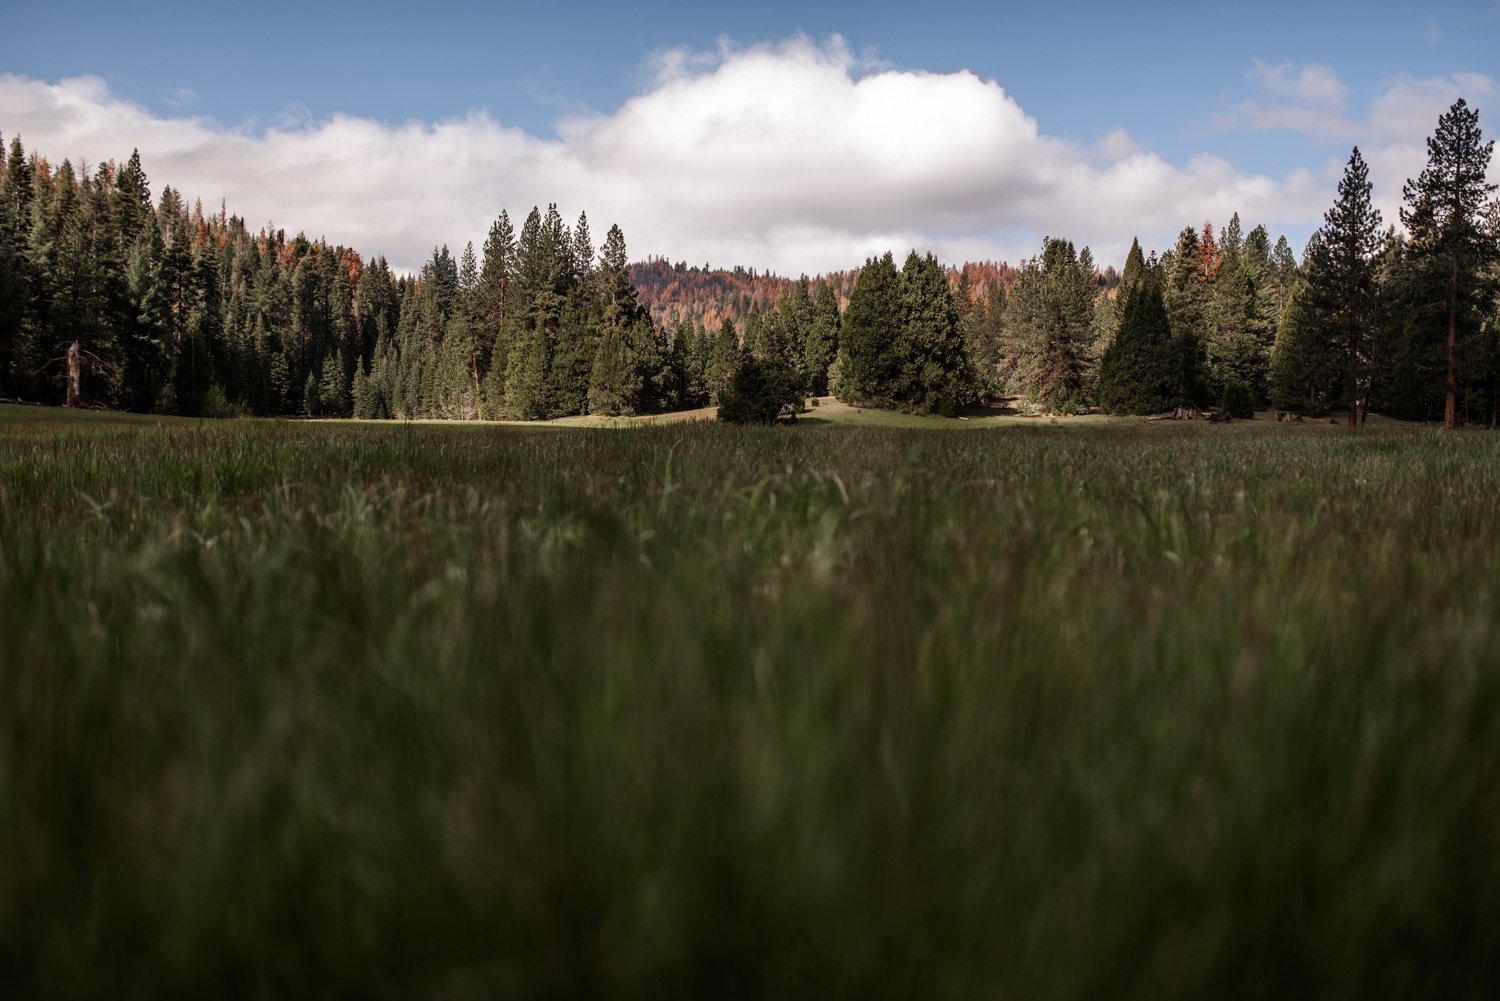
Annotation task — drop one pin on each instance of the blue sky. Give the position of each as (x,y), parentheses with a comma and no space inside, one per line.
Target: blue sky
(1102,121)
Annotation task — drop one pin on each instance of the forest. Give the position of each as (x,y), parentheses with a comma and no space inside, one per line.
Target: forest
(114,298)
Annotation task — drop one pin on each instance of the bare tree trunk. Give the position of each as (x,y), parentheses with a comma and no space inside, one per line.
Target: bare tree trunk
(1353,373)
(478,397)
(75,375)
(1450,411)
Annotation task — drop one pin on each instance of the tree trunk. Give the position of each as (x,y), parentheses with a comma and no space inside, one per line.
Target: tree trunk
(478,396)
(1450,410)
(75,375)
(1353,373)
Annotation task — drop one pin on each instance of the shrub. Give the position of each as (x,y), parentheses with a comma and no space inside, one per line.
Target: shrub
(757,392)
(1237,402)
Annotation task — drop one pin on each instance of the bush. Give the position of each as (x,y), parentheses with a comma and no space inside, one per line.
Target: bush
(757,391)
(1237,402)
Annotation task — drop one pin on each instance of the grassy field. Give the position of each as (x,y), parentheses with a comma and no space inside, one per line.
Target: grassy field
(689,711)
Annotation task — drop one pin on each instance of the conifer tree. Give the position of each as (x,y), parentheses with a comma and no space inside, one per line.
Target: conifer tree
(1443,212)
(822,344)
(1048,318)
(1134,274)
(1342,289)
(1305,375)
(935,377)
(872,349)
(723,360)
(1138,374)
(16,277)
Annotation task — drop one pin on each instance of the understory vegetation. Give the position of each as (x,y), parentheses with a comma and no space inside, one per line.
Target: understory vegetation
(708,711)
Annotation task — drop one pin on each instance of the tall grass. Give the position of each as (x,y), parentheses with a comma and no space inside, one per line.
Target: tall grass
(696,711)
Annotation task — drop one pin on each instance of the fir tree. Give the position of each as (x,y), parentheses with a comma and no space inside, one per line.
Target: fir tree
(872,339)
(1304,375)
(936,374)
(723,360)
(1048,316)
(1139,372)
(822,344)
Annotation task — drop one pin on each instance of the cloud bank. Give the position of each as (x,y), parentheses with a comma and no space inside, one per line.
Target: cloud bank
(795,157)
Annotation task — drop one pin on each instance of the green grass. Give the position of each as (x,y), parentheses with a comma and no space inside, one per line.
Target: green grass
(697,711)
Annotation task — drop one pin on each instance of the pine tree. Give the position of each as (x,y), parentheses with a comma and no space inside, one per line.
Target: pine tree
(1443,212)
(16,193)
(1345,291)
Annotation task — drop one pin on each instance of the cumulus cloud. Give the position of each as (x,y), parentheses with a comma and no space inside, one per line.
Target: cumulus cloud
(1403,113)
(1308,99)
(1391,135)
(797,156)
(1313,84)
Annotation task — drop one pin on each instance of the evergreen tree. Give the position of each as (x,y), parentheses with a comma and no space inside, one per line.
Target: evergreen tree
(872,348)
(822,344)
(1305,375)
(723,360)
(1443,212)
(526,384)
(1185,293)
(361,397)
(1134,274)
(935,377)
(334,396)
(16,192)
(615,384)
(986,343)
(1344,293)
(1048,319)
(760,388)
(1139,371)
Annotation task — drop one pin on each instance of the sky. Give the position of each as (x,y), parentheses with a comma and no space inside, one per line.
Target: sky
(779,136)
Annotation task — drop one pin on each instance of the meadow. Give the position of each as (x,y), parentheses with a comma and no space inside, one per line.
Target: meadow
(1028,711)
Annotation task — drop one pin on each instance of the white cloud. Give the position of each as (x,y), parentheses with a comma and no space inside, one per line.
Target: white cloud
(1403,114)
(1392,136)
(1309,99)
(1313,84)
(797,157)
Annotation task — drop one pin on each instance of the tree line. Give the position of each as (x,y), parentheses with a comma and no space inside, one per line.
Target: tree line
(1406,323)
(168,309)
(173,310)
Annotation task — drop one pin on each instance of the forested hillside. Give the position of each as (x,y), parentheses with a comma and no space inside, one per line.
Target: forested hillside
(110,296)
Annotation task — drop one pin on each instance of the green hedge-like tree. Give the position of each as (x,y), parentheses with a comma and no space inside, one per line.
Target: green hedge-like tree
(1140,370)
(758,391)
